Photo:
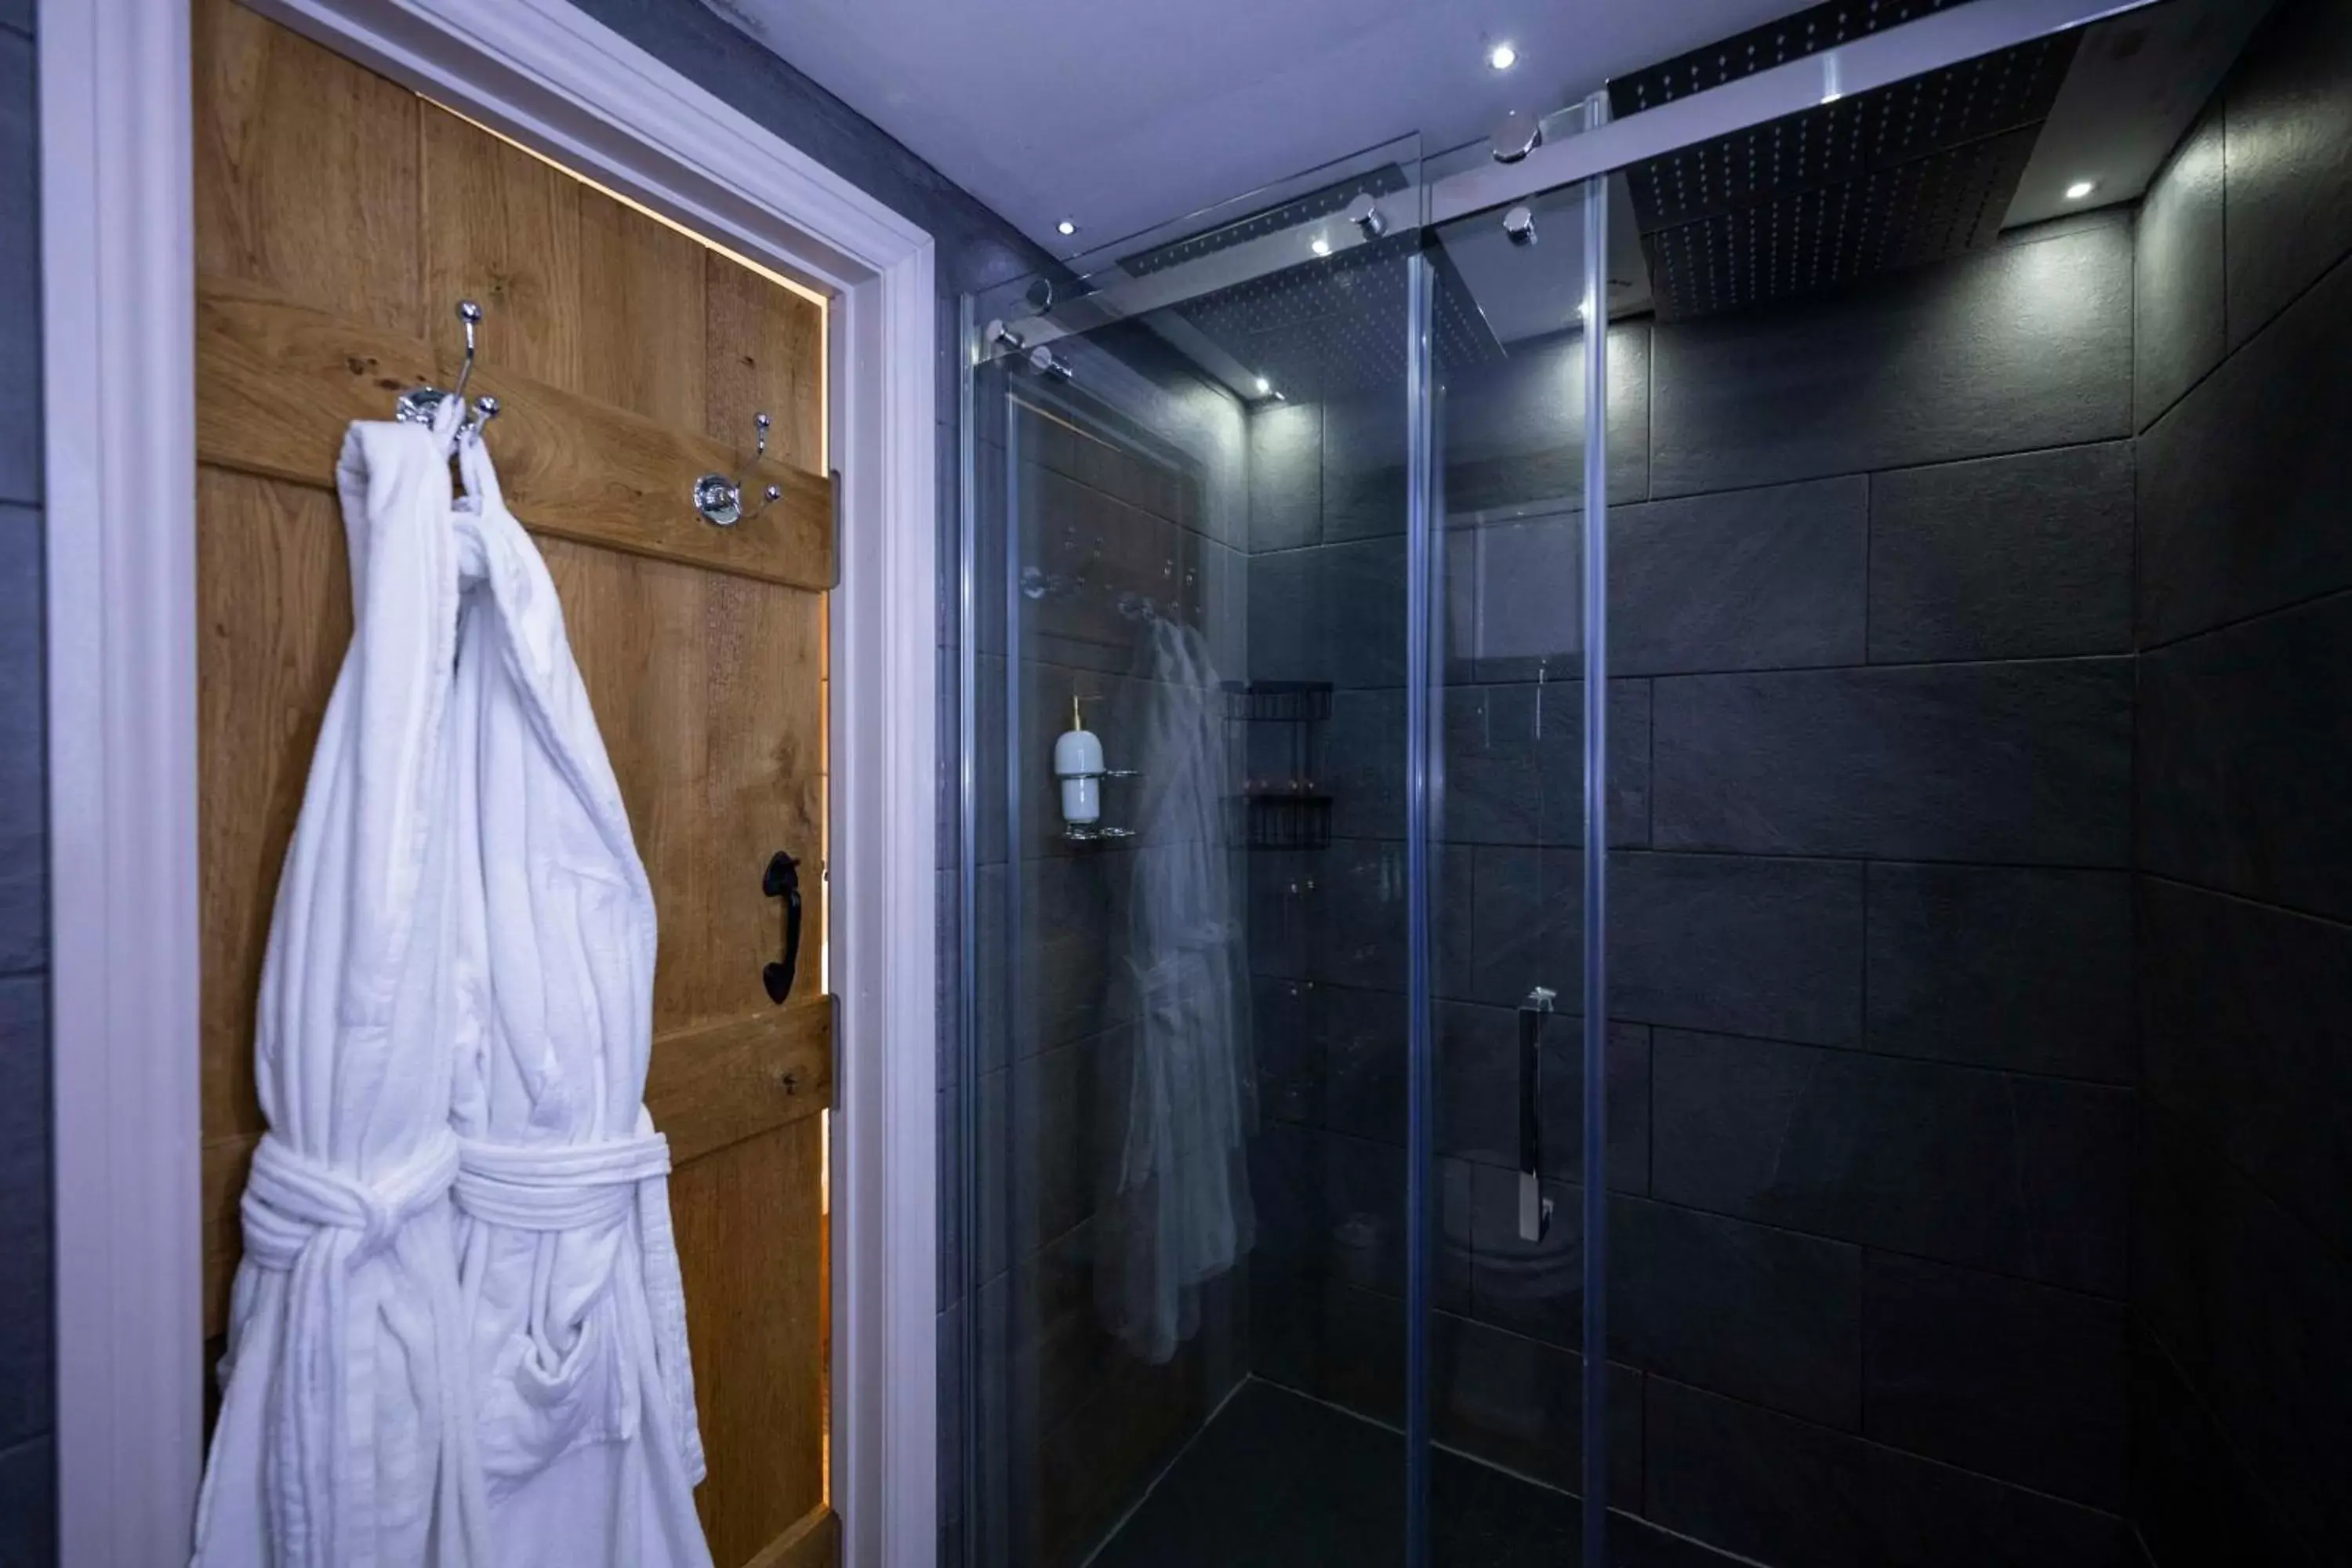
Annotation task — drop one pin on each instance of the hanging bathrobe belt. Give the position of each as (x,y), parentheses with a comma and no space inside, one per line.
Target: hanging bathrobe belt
(297,1210)
(317,1226)
(556,1186)
(292,1198)
(565,1186)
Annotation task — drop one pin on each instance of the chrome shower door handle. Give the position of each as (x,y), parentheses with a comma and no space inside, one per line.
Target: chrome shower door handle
(1535,1209)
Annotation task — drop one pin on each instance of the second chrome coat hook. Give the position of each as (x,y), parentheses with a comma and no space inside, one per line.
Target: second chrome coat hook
(720,500)
(422,405)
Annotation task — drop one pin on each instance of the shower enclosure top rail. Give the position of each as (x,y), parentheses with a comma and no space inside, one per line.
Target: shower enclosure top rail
(1863,65)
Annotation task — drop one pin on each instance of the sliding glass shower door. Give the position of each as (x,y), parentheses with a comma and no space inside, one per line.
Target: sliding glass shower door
(1519,463)
(1180,1299)
(1315,1190)
(1265,523)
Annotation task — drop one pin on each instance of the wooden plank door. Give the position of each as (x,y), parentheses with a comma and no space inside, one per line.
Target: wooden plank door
(340,218)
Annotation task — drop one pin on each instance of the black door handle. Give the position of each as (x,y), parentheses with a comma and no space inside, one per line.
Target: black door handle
(782,880)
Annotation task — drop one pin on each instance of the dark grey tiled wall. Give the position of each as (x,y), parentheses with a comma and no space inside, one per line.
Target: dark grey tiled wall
(28,1368)
(2012,349)
(2242,1246)
(1873,1073)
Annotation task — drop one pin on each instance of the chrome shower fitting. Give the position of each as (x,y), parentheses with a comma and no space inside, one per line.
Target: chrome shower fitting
(1519,134)
(1366,214)
(1004,343)
(1519,224)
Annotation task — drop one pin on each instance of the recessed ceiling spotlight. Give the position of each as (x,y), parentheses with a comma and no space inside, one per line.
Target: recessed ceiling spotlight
(1265,387)
(1502,56)
(2081,188)
(1319,246)
(1065,228)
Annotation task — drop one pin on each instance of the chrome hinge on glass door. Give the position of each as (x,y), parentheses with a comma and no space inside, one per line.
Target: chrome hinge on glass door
(1535,1209)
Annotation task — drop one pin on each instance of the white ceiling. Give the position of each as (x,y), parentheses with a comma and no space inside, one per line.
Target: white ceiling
(1123,114)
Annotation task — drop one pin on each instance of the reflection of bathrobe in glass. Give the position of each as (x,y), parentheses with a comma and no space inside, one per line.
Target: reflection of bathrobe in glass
(457,1337)
(1178,1210)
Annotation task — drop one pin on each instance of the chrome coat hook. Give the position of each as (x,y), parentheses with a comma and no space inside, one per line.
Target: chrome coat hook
(718,500)
(421,404)
(469,315)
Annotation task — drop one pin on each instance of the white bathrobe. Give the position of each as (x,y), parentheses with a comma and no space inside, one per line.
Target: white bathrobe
(457,1336)
(1176,1212)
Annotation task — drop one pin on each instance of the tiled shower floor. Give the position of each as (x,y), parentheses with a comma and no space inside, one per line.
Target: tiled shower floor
(1279,1481)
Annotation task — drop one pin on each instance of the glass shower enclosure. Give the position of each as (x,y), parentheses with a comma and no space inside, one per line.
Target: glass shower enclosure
(1503,810)
(1208,479)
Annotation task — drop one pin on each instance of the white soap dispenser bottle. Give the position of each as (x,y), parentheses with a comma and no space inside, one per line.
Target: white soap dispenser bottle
(1078,763)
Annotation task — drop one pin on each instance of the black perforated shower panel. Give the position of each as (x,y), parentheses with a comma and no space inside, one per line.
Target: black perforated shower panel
(1335,327)
(1332,326)
(1908,173)
(1793,37)
(1811,240)
(1330,199)
(1936,113)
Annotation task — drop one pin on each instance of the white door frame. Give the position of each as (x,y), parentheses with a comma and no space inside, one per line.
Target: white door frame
(118,318)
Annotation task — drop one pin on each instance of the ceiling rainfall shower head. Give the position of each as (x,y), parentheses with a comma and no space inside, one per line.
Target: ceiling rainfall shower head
(1333,325)
(1860,184)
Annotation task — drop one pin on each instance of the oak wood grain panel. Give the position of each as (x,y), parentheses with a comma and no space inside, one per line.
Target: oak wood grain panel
(767,710)
(277,385)
(502,228)
(813,1543)
(339,220)
(273,619)
(766,355)
(719,1085)
(751,1243)
(305,171)
(641,284)
(224,1159)
(592,473)
(706,689)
